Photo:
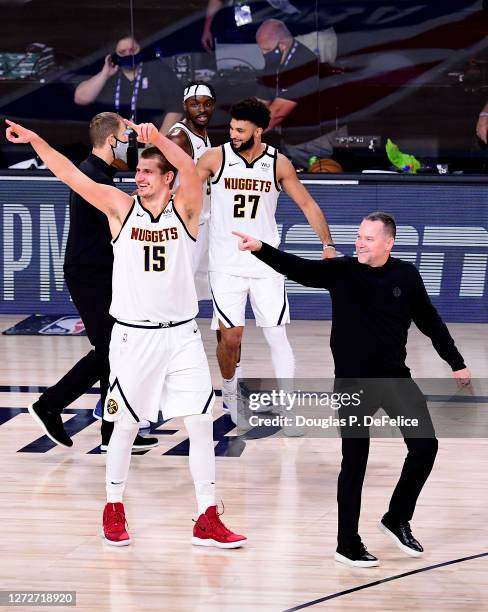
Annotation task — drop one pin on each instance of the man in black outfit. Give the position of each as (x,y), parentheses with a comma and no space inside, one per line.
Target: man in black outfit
(375,297)
(88,272)
(288,82)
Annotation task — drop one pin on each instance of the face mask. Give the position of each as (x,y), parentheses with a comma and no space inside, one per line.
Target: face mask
(120,149)
(272,59)
(128,60)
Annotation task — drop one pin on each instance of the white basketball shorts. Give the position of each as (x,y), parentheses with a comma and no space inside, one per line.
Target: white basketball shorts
(156,369)
(268,297)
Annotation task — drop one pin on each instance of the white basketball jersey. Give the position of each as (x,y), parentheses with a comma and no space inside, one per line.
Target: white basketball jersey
(198,147)
(244,197)
(153,276)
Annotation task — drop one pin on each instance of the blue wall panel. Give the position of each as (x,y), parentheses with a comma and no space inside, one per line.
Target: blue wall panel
(442,229)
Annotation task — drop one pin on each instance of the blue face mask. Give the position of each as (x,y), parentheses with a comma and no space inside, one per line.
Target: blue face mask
(127,61)
(272,59)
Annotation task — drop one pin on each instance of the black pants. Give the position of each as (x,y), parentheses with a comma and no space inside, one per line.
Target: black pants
(396,397)
(91,296)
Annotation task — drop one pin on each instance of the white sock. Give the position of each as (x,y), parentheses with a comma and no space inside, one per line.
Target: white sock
(118,459)
(202,458)
(281,351)
(229,385)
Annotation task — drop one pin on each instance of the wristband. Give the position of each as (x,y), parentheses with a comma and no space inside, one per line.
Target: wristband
(483,114)
(328,246)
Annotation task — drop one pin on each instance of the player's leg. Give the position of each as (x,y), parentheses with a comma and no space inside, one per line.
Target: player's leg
(271,309)
(135,387)
(239,366)
(188,392)
(117,469)
(229,296)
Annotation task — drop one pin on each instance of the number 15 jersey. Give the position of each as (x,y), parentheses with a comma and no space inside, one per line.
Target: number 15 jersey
(153,275)
(243,198)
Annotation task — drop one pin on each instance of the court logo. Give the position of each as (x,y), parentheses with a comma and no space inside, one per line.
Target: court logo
(112,406)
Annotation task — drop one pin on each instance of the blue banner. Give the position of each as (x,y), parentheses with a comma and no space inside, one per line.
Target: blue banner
(442,229)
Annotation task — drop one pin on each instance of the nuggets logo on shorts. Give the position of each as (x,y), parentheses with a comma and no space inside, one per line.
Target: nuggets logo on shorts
(112,406)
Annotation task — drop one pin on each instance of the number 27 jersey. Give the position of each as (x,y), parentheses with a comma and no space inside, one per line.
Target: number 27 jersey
(243,198)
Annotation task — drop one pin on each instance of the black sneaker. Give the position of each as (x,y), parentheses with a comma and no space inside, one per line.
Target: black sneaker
(401,534)
(139,444)
(52,424)
(356,556)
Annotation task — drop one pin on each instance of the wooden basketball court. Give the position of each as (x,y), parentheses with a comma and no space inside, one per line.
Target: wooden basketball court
(279,492)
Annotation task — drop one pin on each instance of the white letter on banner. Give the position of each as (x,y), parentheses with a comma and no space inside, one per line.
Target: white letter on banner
(51,250)
(10,264)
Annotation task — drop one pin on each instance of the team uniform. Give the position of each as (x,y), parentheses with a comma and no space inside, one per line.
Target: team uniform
(157,359)
(244,198)
(200,257)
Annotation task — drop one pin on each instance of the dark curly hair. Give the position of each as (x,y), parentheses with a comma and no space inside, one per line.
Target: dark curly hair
(251,109)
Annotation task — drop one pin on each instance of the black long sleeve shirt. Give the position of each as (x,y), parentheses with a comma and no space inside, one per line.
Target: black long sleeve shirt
(372,309)
(88,248)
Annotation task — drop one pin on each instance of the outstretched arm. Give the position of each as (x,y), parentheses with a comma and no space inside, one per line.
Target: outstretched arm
(287,176)
(110,200)
(304,271)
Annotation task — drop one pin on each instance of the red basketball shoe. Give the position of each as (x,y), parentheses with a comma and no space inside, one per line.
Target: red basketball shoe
(210,531)
(114,524)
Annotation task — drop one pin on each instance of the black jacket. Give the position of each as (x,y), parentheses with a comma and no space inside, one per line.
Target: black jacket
(88,249)
(372,309)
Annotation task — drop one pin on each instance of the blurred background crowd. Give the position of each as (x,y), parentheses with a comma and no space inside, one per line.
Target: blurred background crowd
(339,76)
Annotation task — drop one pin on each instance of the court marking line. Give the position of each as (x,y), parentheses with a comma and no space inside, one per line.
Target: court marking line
(308,604)
(462,399)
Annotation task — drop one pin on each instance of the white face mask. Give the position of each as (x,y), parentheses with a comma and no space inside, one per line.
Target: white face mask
(120,149)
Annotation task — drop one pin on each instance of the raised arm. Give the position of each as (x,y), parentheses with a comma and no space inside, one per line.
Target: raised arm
(88,91)
(188,198)
(287,176)
(304,271)
(110,200)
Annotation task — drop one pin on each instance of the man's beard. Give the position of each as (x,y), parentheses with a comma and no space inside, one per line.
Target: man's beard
(245,145)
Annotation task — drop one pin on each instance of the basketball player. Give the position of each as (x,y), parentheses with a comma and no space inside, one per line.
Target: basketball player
(247,178)
(157,360)
(88,266)
(191,135)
